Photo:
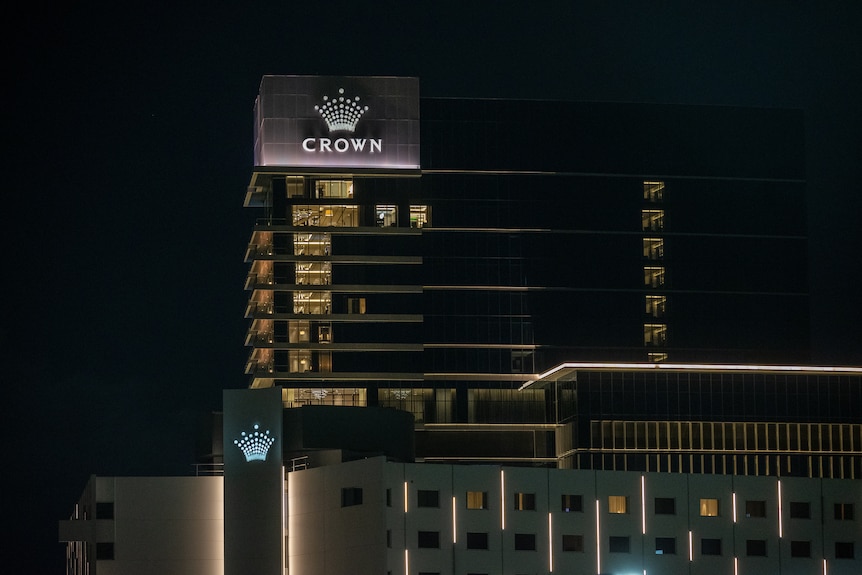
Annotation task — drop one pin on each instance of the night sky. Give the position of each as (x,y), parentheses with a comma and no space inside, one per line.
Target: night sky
(128,135)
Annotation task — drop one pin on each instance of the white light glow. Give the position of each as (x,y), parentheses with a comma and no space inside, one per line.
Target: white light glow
(598,542)
(406,563)
(550,545)
(405,497)
(454,523)
(780,525)
(643,505)
(502,500)
(735,566)
(690,547)
(824,567)
(734,506)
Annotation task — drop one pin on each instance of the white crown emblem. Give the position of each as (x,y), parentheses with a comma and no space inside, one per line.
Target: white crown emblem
(255,444)
(340,113)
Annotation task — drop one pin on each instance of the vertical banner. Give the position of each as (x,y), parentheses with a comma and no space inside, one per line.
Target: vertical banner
(253,482)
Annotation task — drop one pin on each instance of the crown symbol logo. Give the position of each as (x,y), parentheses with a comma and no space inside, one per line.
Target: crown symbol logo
(255,444)
(341,113)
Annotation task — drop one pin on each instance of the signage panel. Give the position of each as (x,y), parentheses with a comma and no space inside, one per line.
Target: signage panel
(337,122)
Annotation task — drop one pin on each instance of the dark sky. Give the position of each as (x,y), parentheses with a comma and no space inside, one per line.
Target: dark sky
(128,132)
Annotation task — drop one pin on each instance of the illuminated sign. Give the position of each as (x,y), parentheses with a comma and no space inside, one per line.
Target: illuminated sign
(255,444)
(337,122)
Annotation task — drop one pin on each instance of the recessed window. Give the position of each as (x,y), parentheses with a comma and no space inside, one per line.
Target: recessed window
(389,538)
(844,511)
(655,334)
(351,496)
(618,504)
(755,547)
(800,510)
(710,546)
(709,507)
(420,216)
(800,548)
(653,191)
(525,541)
(617,544)
(652,220)
(573,543)
(427,498)
(755,508)
(654,276)
(356,305)
(388,498)
(665,545)
(104,551)
(572,503)
(477,500)
(429,539)
(105,510)
(656,305)
(844,550)
(656,357)
(477,540)
(653,248)
(387,215)
(525,501)
(665,506)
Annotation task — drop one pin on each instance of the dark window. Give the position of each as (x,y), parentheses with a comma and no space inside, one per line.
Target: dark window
(525,501)
(573,543)
(428,573)
(429,540)
(104,551)
(525,541)
(105,510)
(618,544)
(388,498)
(843,511)
(665,506)
(755,508)
(800,510)
(800,548)
(573,503)
(844,550)
(427,498)
(477,540)
(665,545)
(351,496)
(710,546)
(755,547)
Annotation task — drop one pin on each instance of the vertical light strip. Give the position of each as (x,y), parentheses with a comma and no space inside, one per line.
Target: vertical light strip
(735,566)
(690,548)
(502,500)
(283,515)
(598,542)
(406,563)
(454,523)
(734,506)
(824,567)
(643,505)
(405,497)
(550,544)
(780,523)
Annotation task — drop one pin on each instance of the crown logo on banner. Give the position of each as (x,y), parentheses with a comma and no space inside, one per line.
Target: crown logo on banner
(255,444)
(341,113)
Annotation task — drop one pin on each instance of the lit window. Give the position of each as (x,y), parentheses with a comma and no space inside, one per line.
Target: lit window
(654,276)
(618,504)
(652,220)
(656,357)
(572,503)
(420,216)
(573,543)
(656,305)
(653,248)
(755,508)
(477,500)
(356,305)
(844,511)
(387,215)
(525,501)
(653,191)
(709,507)
(351,496)
(427,498)
(655,334)
(665,545)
